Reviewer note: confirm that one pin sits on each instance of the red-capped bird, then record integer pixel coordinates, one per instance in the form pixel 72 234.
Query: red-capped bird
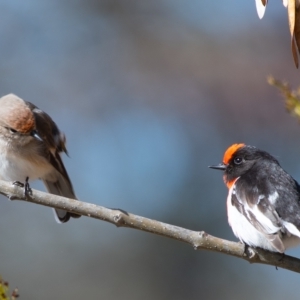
pixel 263 203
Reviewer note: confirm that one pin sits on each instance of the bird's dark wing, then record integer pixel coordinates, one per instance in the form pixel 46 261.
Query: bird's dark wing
pixel 269 198
pixel 260 212
pixel 53 142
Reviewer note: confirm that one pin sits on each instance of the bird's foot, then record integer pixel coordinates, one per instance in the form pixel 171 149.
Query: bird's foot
pixel 248 251
pixel 26 186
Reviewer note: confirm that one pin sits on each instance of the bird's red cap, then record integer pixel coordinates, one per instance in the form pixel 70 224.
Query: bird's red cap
pixel 230 151
pixel 227 157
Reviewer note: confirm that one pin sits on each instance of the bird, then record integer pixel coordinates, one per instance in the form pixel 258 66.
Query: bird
pixel 263 203
pixel 30 148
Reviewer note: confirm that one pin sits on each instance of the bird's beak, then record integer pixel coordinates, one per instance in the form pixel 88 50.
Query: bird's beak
pixel 36 135
pixel 220 166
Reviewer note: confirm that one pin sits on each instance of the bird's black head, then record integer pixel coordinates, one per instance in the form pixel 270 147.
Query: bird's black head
pixel 240 158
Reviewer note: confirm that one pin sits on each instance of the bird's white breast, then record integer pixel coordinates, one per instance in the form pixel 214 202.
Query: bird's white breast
pixel 16 167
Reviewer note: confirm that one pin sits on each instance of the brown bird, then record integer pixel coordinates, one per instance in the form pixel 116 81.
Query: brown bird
pixel 30 147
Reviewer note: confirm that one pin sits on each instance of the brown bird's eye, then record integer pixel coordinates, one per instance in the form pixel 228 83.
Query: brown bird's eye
pixel 238 160
pixel 11 129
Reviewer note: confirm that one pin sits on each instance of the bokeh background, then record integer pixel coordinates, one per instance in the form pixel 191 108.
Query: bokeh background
pixel 149 93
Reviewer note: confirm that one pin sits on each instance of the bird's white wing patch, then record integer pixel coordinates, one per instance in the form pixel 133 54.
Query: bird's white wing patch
pixel 273 198
pixel 291 228
pixel 265 220
pixel 260 212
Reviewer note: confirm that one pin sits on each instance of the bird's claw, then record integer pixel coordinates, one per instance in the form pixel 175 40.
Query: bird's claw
pixel 18 183
pixel 26 186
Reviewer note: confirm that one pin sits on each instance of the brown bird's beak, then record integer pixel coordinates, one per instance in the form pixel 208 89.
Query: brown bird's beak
pixel 221 167
pixel 36 135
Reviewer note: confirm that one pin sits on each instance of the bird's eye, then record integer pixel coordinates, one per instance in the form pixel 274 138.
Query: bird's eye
pixel 11 129
pixel 238 160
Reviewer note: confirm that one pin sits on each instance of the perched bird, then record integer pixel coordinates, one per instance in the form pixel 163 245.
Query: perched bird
pixel 30 147
pixel 263 203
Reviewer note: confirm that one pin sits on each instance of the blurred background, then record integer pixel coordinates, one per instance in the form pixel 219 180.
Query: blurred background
pixel 148 93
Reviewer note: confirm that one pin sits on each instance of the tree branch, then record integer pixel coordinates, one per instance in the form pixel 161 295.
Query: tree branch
pixel 198 239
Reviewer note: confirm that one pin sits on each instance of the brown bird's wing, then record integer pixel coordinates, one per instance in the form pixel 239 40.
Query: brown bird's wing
pixel 53 143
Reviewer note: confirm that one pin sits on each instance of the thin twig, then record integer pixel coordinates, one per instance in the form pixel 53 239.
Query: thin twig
pixel 198 239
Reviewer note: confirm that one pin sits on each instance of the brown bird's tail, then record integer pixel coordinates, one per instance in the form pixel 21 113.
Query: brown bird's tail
pixel 61 187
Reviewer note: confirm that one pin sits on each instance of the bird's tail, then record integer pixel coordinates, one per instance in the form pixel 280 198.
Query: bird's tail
pixel 61 186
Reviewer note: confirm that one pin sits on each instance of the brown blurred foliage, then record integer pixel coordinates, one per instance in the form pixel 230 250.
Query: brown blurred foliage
pixel 291 97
